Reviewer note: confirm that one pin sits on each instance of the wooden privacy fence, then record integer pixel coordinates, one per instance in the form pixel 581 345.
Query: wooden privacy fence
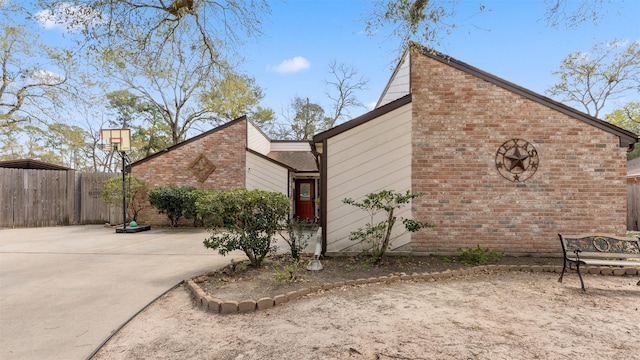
pixel 31 198
pixel 92 210
pixel 633 206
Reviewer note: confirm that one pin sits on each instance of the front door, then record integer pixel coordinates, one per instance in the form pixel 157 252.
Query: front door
pixel 305 208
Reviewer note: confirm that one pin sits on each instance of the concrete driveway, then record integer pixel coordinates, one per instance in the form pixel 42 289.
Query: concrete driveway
pixel 63 290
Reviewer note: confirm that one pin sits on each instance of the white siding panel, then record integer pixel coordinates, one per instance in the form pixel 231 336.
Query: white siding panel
pixel 399 85
pixel 256 141
pixel 265 175
pixel 290 146
pixel 371 157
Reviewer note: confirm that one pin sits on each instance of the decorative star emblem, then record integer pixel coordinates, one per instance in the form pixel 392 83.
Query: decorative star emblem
pixel 517 159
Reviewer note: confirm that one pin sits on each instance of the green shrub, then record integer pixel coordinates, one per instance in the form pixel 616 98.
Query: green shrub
pixel 378 235
pixel 172 201
pixel 191 199
pixel 244 220
pixel 478 255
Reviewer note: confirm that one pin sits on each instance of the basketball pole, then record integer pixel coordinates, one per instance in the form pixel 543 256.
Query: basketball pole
pixel 124 194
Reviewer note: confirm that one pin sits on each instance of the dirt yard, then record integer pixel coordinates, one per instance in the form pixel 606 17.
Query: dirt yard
pixel 497 315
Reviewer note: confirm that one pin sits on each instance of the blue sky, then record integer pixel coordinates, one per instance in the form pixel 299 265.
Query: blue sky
pixel 508 39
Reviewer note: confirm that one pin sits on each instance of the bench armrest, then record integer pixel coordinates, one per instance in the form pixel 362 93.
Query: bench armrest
pixel 577 252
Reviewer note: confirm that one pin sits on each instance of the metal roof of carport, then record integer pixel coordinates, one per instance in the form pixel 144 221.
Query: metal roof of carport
pixel 32 165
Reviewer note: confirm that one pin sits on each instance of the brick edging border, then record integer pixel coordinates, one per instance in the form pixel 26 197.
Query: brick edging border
pixel 210 304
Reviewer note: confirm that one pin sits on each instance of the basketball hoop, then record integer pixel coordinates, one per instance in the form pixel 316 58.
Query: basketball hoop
pixel 116 139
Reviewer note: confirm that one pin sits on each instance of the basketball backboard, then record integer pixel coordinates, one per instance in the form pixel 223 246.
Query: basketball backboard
pixel 116 139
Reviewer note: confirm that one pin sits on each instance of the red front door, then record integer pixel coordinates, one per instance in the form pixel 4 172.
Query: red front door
pixel 305 208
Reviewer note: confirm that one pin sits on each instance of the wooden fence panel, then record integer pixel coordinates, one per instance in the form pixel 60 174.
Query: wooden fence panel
pixel 633 206
pixel 31 198
pixel 93 209
pixel 7 196
pixel 36 197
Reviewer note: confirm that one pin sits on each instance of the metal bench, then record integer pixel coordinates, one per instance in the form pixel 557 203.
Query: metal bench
pixel 600 250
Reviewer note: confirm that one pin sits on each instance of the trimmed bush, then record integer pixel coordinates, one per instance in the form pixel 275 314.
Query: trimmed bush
pixel 172 201
pixel 243 220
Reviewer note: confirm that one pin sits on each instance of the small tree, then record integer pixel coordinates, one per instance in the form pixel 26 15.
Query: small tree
pixel 244 220
pixel 172 201
pixel 378 235
pixel 136 191
pixel 296 238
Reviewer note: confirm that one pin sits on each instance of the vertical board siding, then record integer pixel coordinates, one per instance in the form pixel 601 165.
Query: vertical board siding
pixel 369 158
pixel 34 198
pixel 265 175
pixel 256 141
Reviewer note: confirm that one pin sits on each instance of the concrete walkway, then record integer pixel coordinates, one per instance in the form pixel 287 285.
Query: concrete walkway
pixel 63 290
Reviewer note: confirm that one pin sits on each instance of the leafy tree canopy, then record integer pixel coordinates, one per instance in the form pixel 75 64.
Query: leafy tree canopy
pixel 591 79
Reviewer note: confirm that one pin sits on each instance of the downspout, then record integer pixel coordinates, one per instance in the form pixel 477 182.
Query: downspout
pixel 323 196
pixel 322 167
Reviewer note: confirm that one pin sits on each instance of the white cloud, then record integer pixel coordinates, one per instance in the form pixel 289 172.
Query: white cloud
pixel 294 65
pixel 370 106
pixel 68 17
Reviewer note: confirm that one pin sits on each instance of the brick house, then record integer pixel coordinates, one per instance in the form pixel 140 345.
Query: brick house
pixel 234 155
pixel 502 166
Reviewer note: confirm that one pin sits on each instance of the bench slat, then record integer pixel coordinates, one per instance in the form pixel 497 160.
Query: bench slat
pixel 598 255
pixel 608 262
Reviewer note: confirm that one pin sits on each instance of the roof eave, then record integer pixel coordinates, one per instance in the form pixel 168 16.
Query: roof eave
pixel 627 138
pixel 373 114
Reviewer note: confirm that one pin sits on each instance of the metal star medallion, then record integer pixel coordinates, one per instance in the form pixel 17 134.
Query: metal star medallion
pixel 517 160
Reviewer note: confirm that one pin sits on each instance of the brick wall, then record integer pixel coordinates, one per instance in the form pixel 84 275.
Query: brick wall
pixel 460 122
pixel 224 147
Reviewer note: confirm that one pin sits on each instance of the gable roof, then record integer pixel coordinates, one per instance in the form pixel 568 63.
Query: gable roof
pixel 197 137
pixel 627 138
pixel 293 160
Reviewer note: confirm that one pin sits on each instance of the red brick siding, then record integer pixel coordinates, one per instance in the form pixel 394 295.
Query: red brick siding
pixel 459 122
pixel 225 148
